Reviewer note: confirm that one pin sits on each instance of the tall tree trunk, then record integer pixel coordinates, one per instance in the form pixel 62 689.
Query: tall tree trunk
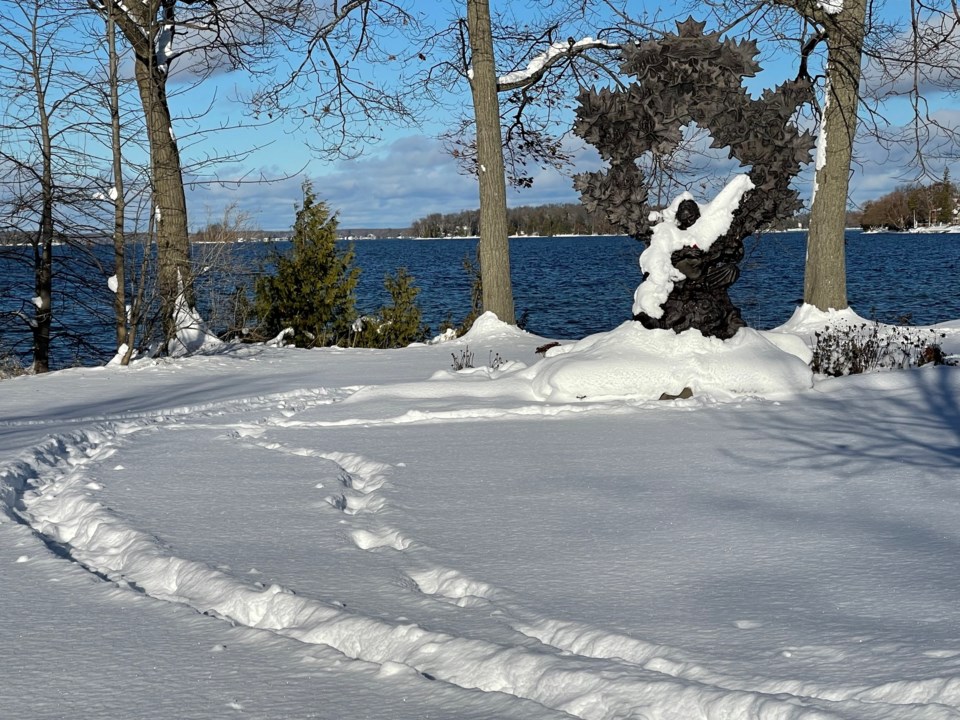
pixel 119 204
pixel 494 241
pixel 143 30
pixel 43 284
pixel 825 277
pixel 170 204
pixel 43 243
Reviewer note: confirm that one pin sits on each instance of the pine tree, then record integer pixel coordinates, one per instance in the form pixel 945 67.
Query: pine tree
pixel 397 324
pixel 312 287
pixel 945 201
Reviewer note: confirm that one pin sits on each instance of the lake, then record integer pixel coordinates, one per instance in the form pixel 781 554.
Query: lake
pixel 570 287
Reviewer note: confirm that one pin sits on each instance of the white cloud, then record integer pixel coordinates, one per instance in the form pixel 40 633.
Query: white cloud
pixel 408 179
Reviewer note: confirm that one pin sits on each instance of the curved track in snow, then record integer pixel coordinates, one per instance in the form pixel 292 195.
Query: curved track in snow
pixel 567 666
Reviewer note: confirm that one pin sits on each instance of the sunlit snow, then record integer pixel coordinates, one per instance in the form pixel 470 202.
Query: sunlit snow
pixel 557 49
pixel 269 532
pixel 831 6
pixel 656 263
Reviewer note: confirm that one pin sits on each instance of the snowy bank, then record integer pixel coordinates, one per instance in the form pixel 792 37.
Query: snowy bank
pixel 274 532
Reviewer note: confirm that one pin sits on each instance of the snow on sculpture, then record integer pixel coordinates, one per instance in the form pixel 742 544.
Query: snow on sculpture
pixel 693 251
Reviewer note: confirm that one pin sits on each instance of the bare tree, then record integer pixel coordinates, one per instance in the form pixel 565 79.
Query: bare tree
pixel 125 332
pixel 149 29
pixel 499 138
pixel 494 251
pixel 332 41
pixel 38 158
pixel 837 40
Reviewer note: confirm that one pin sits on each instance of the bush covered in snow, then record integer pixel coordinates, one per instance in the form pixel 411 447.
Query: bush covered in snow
pixel 868 346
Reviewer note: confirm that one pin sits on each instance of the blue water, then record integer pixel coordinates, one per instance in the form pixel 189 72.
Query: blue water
pixel 574 286
pixel 570 287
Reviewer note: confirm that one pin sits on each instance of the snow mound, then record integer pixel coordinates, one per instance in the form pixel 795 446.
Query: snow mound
pixel 634 362
pixel 488 327
pixel 807 319
pixel 192 335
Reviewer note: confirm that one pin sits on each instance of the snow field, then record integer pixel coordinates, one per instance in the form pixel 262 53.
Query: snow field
pixel 422 543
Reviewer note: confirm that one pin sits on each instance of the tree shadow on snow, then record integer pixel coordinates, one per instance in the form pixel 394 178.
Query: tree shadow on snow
pixel 854 430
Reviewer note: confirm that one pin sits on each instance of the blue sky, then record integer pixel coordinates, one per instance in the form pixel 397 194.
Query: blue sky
pixel 409 174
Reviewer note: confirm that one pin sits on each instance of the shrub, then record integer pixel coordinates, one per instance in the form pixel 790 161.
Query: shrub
pixel 849 350
pixel 464 361
pixel 312 287
pixel 472 268
pixel 10 366
pixel 397 324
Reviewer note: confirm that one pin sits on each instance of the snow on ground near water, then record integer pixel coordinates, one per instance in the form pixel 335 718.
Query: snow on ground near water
pixel 279 533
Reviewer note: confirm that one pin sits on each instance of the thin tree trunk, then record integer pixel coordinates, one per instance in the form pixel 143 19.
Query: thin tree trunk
pixel 825 278
pixel 43 244
pixel 119 238
pixel 494 241
pixel 43 286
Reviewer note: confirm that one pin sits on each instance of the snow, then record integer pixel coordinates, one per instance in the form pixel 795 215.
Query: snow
pixel 165 47
pixel 113 283
pixel 831 7
pixel 112 194
pixel 275 532
pixel 632 362
pixel 655 262
pixel 544 59
pixel 933 229
pixel 191 332
pixel 121 353
pixel 821 152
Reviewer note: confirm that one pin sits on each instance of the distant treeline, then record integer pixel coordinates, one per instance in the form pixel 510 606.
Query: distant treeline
pixel 554 219
pixel 911 206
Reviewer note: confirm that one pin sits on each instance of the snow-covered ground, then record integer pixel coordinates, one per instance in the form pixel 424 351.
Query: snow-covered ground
pixel 934 229
pixel 277 533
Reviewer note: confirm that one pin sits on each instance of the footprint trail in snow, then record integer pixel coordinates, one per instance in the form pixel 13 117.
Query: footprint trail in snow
pixel 581 670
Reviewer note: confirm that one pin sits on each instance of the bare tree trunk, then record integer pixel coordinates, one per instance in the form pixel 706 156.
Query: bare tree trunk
pixel 825 277
pixel 494 241
pixel 43 243
pixel 142 30
pixel 119 205
pixel 43 284
pixel 170 204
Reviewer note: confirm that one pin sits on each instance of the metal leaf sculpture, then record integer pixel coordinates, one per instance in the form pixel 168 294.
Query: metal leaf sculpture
pixel 682 78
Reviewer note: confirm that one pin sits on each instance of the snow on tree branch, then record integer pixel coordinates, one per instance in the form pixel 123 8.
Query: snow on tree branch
pixel 831 7
pixel 539 65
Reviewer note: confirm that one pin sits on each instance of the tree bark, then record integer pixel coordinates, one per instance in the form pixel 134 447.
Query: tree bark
pixel 170 204
pixel 825 279
pixel 494 240
pixel 43 243
pixel 119 204
pixel 142 29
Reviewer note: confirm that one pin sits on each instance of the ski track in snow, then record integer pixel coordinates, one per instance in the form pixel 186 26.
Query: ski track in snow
pixel 584 671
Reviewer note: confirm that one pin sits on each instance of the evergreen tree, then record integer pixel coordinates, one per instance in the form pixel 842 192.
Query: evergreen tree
pixel 312 288
pixel 397 324
pixel 945 202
